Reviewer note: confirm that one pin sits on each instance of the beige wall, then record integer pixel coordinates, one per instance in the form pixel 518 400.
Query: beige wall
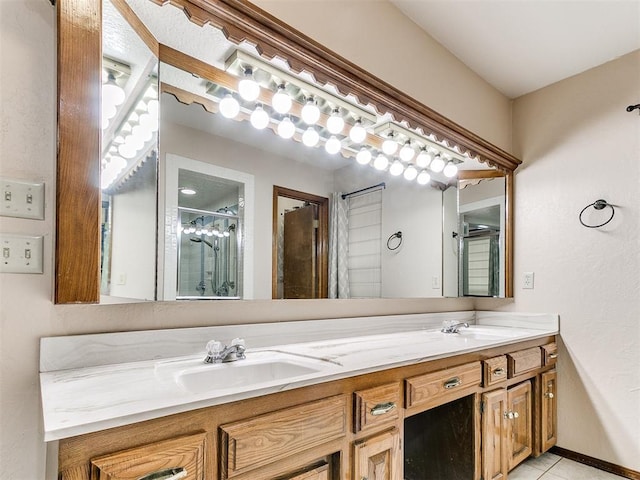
pixel 579 144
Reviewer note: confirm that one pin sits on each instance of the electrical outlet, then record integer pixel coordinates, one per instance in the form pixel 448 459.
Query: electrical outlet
pixel 527 280
pixel 21 253
pixel 21 199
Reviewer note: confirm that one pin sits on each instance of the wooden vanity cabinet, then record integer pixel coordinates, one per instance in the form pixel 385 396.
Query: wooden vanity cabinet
pixel 548 410
pixel 378 457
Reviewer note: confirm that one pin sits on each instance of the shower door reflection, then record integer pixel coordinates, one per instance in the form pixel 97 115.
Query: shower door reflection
pixel 208 253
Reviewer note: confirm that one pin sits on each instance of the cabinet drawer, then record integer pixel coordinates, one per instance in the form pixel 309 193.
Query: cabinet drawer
pixel 549 354
pixel 524 361
pixel 376 406
pixel 433 389
pixel 494 370
pixel 315 473
pixel 265 439
pixel 176 459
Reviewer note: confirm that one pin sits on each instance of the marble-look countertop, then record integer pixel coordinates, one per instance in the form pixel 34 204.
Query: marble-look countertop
pixel 94 382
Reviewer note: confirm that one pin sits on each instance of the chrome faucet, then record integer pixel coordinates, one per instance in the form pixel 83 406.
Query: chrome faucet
pixel 217 352
pixel 455 328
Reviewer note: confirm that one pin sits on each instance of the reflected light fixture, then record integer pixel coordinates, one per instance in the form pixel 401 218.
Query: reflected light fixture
pixel 333 145
pixel 363 157
pixel 423 159
pixel 187 191
pixel 381 162
pixel 310 112
pixel 423 177
pixel 406 152
pixel 396 168
pixel 229 106
pixel 389 146
pixel 259 118
pixel 248 88
pixel 310 137
pixel 437 164
pixel 450 170
pixel 281 101
pixel 410 173
pixel 286 128
pixel 335 123
pixel 112 94
pixel 357 134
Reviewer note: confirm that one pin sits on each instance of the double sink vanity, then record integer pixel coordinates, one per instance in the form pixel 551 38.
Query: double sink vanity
pixel 371 397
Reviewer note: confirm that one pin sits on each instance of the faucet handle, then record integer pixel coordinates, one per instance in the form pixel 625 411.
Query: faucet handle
pixel 213 347
pixel 237 341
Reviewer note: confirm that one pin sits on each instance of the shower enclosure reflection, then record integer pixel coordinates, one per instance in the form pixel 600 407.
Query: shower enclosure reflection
pixel 208 253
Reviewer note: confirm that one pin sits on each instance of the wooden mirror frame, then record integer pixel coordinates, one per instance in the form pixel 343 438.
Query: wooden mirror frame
pixel 77 251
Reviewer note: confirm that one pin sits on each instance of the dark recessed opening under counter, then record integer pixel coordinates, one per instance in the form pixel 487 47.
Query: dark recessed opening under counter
pixel 439 443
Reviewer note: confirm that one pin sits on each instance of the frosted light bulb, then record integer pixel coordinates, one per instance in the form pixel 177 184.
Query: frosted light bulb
pixel 450 170
pixel 134 142
pixel 406 152
pixel 381 162
pixel 437 164
pixel 333 146
pixel 335 123
pixel 259 118
pixel 363 157
pixel 286 128
pixel 357 134
pixel 229 107
pixel 111 92
pixel 225 233
pixel 396 168
pixel 389 146
pixel 151 93
pixel 310 112
pixel 142 133
pixel 310 137
pixel 410 173
pixel 152 107
pixel 127 151
pixel 209 233
pixel 423 159
pixel 248 88
pixel 118 163
pixel 108 111
pixel 198 231
pixel 281 101
pixel 423 177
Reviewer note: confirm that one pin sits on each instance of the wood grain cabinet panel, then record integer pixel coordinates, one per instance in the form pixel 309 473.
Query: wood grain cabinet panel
pixel 315 473
pixel 433 389
pixel 376 407
pixel 523 361
pixel 494 437
pixel 548 411
pixel 256 442
pixel 549 354
pixel 494 370
pixel 519 423
pixel 378 457
pixel 177 459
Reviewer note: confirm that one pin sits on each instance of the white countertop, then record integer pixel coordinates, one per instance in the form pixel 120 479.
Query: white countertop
pixel 110 392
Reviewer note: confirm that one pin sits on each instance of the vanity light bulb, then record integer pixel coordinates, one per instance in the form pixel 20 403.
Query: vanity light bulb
pixel 281 101
pixel 363 157
pixel 142 133
pixel 108 111
pixel 198 231
pixel 226 234
pixel 152 107
pixel 410 173
pixel 117 163
pixel 423 159
pixel 381 162
pixel 105 123
pixel 310 137
pixel 450 170
pixel 259 118
pixel 151 93
pixel 127 151
pixel 333 145
pixel 335 123
pixel 286 128
pixel 396 168
pixel 357 134
pixel 229 107
pixel 437 164
pixel 389 146
pixel 423 177
pixel 310 112
pixel 248 88
pixel 209 233
pixel 112 94
pixel 406 152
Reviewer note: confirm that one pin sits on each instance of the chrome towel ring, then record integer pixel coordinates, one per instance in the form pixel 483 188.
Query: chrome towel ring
pixel 597 205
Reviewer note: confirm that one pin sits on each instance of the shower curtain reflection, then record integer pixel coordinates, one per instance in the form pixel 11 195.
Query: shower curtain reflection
pixel 208 253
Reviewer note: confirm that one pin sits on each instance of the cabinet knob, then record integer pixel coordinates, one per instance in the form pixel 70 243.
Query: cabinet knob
pixel 548 395
pixel 167 474
pixel 511 415
pixel 452 383
pixel 382 408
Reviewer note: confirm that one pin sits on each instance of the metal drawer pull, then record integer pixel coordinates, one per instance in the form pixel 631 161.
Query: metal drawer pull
pixel 382 408
pixel 452 383
pixel 511 415
pixel 499 371
pixel 553 355
pixel 167 474
pixel 548 395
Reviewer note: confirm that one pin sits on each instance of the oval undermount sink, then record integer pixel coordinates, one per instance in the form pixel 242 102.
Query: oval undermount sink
pixel 258 369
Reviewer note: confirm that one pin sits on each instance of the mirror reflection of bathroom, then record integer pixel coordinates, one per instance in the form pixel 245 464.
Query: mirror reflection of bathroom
pixel 482 214
pixel 209 213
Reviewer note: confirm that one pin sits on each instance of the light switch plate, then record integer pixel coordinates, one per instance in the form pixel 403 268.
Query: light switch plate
pixel 20 253
pixel 22 199
pixel 527 280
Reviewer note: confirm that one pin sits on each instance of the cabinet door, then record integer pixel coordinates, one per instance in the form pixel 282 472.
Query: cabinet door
pixel 378 457
pixel 318 473
pixel 494 435
pixel 549 410
pixel 519 417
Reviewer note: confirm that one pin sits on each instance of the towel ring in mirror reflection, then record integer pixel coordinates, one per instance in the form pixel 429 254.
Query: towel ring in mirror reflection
pixel 597 205
pixel 398 237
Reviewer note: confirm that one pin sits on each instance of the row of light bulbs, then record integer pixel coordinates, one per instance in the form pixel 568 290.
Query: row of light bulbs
pixel 199 230
pixel 282 103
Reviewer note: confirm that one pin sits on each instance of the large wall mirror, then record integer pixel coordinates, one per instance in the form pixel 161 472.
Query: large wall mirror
pixel 197 187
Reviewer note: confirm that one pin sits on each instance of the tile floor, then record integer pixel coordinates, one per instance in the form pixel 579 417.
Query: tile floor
pixel 553 467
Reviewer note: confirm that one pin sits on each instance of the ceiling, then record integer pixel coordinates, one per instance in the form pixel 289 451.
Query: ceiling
pixel 519 46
